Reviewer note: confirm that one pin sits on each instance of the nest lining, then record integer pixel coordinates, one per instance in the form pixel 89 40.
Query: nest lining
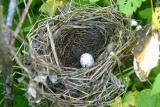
pixel 54 48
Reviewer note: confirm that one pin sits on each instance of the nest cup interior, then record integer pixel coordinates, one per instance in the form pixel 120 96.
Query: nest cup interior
pixel 57 43
pixel 83 34
pixel 73 42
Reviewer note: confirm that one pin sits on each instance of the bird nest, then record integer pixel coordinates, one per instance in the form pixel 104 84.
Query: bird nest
pixel 53 50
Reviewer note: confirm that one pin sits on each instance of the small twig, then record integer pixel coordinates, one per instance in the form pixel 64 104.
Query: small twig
pixel 11 10
pixel 29 17
pixel 53 47
pixel 19 63
pixel 25 11
pixel 7 34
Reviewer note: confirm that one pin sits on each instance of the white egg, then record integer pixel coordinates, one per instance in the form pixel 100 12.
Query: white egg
pixel 86 60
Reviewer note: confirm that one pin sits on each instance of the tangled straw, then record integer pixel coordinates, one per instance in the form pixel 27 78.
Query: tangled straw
pixel 55 45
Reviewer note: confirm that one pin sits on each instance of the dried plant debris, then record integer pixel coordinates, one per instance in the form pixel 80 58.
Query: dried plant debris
pixel 54 48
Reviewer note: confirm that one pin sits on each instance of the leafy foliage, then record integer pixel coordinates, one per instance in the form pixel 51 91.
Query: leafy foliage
pixel 117 103
pixel 156 18
pixel 19 98
pixel 1 90
pixel 130 99
pixel 156 86
pixel 129 6
pixel 145 99
pixel 93 1
pixel 146 14
pixel 104 3
pixel 50 6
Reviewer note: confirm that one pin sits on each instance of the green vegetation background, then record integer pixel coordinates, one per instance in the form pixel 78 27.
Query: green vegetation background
pixel 137 94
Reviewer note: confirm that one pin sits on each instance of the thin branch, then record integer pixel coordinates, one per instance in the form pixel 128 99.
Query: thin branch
pixel 6 65
pixel 25 11
pixel 5 55
pixel 19 62
pixel 11 11
pixel 29 17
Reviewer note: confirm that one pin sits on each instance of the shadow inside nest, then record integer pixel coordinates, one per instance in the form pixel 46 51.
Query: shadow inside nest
pixel 74 42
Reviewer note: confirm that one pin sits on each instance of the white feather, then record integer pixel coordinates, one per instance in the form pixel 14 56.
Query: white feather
pixel 31 92
pixel 150 58
pixel 138 27
pixel 134 22
pixel 41 78
pixel 152 53
pixel 53 78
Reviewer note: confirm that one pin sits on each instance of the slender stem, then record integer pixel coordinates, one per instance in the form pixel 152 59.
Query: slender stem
pixel 11 11
pixel 152 6
pixel 29 17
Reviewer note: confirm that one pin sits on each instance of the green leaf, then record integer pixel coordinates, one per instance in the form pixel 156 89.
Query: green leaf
pixel 93 1
pixel 19 98
pixel 130 99
pixel 146 14
pixel 129 6
pixel 26 29
pixel 20 2
pixel 2 97
pixel 20 101
pixel 156 19
pixel 50 6
pixel 156 86
pixel 82 2
pixel 117 102
pixel 145 99
pixel 104 3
